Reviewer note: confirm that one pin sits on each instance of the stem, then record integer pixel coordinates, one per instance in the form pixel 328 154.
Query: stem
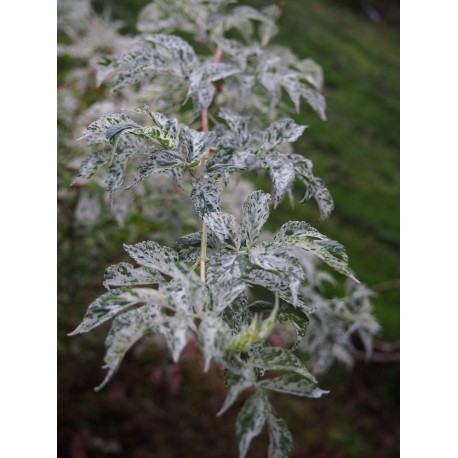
pixel 203 244
pixel 203 253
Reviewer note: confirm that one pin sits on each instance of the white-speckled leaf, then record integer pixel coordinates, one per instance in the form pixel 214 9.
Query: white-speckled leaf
pixel 116 301
pixel 125 331
pixel 280 438
pixel 281 170
pixel 294 384
pixel 197 144
pixel 188 247
pixel 255 214
pixel 125 274
pixel 302 235
pixel 202 97
pixel 205 196
pixel 158 161
pixel 281 131
pixel 225 227
pixel 281 359
pixel 213 336
pixel 92 163
pixel 174 329
pixel 276 284
pixel 251 420
pixel 279 259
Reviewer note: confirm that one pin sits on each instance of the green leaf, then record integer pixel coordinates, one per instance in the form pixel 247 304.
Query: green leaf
pixel 125 274
pixel 255 214
pixel 116 301
pixel 294 384
pixel 251 420
pixel 280 438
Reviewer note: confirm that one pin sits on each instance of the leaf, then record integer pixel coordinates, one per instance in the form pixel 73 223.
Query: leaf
pixel 279 259
pixel 113 132
pixel 152 255
pixel 281 131
pixel 205 196
pixel 273 282
pixel 125 331
pixel 280 359
pixel 255 214
pixel 280 438
pixel 197 143
pixel 116 301
pixel 282 172
pixel 202 98
pixel 213 336
pixel 125 274
pixel 174 329
pixel 302 235
pixel 188 247
pixel 236 383
pixel 298 319
pixel 250 420
pixel 92 163
pixel 225 227
pixel 294 384
pixel 165 131
pixel 156 162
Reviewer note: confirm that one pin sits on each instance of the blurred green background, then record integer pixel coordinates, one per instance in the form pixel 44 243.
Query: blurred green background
pixel 154 410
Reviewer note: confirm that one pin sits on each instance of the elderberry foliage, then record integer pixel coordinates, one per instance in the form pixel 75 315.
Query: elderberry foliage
pixel 205 120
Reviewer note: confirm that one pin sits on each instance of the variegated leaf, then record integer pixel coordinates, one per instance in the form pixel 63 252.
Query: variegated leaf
pixel 197 144
pixel 205 196
pixel 281 170
pixel 202 97
pixel 125 274
pixel 92 163
pixel 174 329
pixel 154 256
pixel 294 384
pixel 280 438
pixel 280 359
pixel 281 131
pixel 225 227
pixel 277 258
pixel 274 283
pixel 251 420
pixel 255 214
pixel 188 247
pixel 125 331
pixel 236 382
pixel 302 235
pixel 156 162
pixel 116 301
pixel 213 336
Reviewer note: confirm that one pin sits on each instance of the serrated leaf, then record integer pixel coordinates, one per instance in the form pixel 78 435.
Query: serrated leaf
pixel 125 331
pixel 205 196
pixel 197 143
pixel 276 284
pixel 280 438
pixel 213 336
pixel 116 301
pixel 251 420
pixel 302 235
pixel 188 247
pixel 178 296
pixel 281 131
pixel 92 163
pixel 174 329
pixel 236 383
pixel 279 259
pixel 281 170
pixel 255 214
pixel 152 255
pixel 225 227
pixel 294 384
pixel 113 132
pixel 125 274
pixel 156 162
pixel 280 359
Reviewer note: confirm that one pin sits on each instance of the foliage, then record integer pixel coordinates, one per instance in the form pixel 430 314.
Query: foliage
pixel 243 83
